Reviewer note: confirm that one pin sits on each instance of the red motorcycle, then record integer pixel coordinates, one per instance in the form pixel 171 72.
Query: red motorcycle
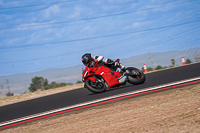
pixel 99 77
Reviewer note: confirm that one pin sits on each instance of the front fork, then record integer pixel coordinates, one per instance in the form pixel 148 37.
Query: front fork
pixel 100 79
pixel 95 80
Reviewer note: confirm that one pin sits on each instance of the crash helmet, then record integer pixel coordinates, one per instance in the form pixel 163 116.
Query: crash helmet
pixel 86 59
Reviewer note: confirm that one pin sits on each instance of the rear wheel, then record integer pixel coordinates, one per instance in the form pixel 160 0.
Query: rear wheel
pixel 96 87
pixel 136 76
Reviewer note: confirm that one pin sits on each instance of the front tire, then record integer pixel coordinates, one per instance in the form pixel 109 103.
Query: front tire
pixel 96 87
pixel 139 78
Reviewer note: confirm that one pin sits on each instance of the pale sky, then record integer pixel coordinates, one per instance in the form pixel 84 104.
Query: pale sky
pixel 39 35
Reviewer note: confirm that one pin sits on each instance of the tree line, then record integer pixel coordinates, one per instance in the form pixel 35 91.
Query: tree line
pixel 39 83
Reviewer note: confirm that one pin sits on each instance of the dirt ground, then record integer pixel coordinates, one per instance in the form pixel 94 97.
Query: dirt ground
pixel 171 111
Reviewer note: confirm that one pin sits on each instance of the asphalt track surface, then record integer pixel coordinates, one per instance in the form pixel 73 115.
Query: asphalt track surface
pixel 81 95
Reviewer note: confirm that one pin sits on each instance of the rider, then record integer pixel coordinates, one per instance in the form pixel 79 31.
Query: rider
pixel 86 59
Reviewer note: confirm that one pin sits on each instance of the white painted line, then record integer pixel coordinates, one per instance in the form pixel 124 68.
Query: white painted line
pixel 95 101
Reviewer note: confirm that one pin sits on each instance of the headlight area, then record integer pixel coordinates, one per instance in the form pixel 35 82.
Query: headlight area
pixel 84 75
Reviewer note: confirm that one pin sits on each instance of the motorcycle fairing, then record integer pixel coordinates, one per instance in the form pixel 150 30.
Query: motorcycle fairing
pixel 111 77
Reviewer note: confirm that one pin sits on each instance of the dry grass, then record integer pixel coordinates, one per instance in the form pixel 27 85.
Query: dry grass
pixel 31 95
pixel 171 111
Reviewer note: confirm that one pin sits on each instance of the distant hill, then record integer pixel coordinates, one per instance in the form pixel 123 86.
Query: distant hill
pixel 163 59
pixel 20 82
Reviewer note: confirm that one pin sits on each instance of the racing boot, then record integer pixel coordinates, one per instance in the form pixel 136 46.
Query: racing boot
pixel 122 67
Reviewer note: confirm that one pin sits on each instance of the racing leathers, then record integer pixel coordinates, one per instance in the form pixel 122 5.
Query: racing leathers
pixel 108 62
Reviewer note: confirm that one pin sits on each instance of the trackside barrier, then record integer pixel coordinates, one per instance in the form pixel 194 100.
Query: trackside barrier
pixel 145 68
pixel 183 61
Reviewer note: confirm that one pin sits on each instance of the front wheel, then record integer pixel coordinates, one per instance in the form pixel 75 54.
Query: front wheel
pixel 136 76
pixel 96 87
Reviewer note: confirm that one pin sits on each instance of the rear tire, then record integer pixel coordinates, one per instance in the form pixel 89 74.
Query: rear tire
pixel 95 87
pixel 136 79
